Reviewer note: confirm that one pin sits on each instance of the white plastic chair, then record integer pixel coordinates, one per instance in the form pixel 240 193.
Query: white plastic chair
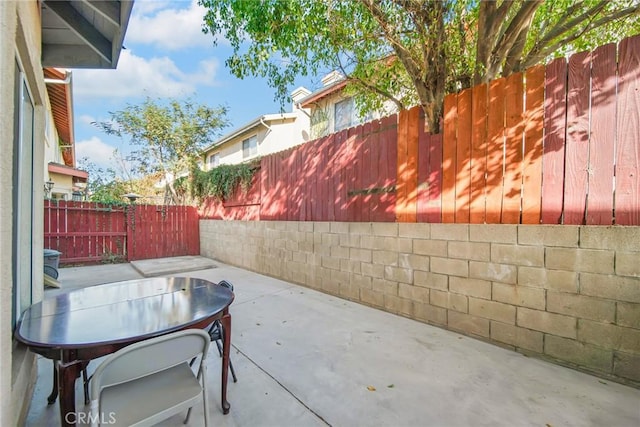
pixel 147 382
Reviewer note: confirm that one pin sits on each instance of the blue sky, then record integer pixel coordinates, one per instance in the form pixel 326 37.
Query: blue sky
pixel 166 55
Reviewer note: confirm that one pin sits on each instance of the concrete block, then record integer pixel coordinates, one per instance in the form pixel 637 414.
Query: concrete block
pixel 580 260
pixel 363 255
pixel 518 255
pixel 468 324
pixel 469 250
pixel 372 297
pixel 405 245
pixel 430 313
pixel 387 287
pixel 628 264
pixel 618 238
pixel 452 267
pixel 339 252
pixel 330 287
pixel 517 337
pixel 305 226
pixel 360 281
pixel 349 291
pixel 430 247
pixel 517 295
pixel 414 230
pixel 318 227
pixel 579 353
pixel 350 240
pixel 458 232
pixel 398 305
pixel 609 336
pixel 330 239
pixel 384 258
pixel 549 235
pixel 372 270
pixel 504 313
pixel 414 293
pixel 551 323
pixel 431 280
pixel 503 273
pixel 384 229
pixel 397 274
pixel 611 287
pixel 628 314
pixel 414 262
pixel 471 287
pixel 331 263
pixel 339 227
pixel 627 365
pixel 449 300
pixel 493 233
pixel 350 266
pixel 360 228
pixel 557 280
pixel 581 306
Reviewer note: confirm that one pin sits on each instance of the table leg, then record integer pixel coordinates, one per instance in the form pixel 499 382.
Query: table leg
pixel 54 390
pixel 226 346
pixel 67 374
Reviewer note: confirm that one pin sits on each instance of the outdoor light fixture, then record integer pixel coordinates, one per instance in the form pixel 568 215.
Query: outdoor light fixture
pixel 132 197
pixel 48 186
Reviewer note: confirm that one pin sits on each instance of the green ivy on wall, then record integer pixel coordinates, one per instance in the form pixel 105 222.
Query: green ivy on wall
pixel 221 181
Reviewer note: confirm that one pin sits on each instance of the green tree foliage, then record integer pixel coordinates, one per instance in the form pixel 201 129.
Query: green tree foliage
pixel 168 136
pixel 412 52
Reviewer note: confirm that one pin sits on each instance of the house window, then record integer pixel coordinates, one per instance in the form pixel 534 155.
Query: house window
pixel 344 114
pixel 22 218
pixel 250 147
pixel 213 160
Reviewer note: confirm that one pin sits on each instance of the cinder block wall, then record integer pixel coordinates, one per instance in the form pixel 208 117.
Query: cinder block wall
pixel 567 293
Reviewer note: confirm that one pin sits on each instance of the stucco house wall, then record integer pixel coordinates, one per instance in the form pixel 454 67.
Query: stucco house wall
pixel 20 41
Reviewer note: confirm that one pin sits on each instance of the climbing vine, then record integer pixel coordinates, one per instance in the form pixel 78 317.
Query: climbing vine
pixel 221 181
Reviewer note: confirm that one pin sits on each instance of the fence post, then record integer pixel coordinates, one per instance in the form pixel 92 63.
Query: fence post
pixel 130 226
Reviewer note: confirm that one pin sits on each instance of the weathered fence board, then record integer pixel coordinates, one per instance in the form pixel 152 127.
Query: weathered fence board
pixel 627 195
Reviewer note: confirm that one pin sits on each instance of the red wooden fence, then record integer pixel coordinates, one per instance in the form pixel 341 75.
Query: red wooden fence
pixel 557 144
pixel 90 233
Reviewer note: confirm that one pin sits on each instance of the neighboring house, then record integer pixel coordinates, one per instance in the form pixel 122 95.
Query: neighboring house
pixel 263 135
pixel 35 34
pixel 333 111
pixel 66 182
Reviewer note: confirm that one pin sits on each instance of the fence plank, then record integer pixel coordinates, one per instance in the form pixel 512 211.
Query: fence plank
pixel 407 177
pixel 514 128
pixel 495 148
pixel 463 157
pixel 603 135
pixel 532 161
pixel 555 107
pixel 449 159
pixel 577 144
pixel 627 196
pixel 478 169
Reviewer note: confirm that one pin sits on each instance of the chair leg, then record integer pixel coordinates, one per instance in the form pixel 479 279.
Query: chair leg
pixel 54 391
pixel 233 371
pixel 85 383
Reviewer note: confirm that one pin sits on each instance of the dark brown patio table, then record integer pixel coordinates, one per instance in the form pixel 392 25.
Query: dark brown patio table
pixel 81 325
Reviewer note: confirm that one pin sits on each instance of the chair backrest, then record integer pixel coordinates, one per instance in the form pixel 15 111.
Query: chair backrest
pixel 226 285
pixel 148 357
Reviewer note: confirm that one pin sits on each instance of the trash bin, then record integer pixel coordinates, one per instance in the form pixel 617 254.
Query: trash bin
pixel 52 258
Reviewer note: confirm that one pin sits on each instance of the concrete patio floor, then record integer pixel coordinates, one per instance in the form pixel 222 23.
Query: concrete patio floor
pixel 304 358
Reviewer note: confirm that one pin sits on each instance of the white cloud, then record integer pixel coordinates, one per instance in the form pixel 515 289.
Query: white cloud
pixel 168 28
pixel 96 151
pixel 137 77
pixel 86 119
